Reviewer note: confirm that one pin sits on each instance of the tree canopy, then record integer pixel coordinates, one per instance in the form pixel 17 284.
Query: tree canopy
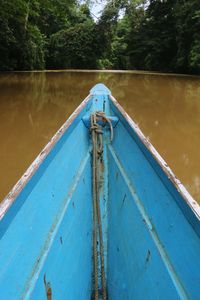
pixel 158 35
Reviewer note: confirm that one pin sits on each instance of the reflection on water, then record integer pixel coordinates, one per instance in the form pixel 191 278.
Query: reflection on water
pixel 34 105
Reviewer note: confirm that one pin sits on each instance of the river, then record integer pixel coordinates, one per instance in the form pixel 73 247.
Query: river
pixel 34 105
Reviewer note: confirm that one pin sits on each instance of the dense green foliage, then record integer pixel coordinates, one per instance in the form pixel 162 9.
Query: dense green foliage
pixel 166 37
pixel 158 35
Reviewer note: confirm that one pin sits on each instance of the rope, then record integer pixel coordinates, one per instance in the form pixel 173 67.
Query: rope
pixel 97 140
pixel 102 115
pixel 95 256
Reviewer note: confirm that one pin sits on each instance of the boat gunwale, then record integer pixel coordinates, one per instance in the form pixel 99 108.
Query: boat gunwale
pixel 10 198
pixel 181 189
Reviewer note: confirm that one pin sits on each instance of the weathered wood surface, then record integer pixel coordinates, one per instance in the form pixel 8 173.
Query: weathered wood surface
pixel 150 222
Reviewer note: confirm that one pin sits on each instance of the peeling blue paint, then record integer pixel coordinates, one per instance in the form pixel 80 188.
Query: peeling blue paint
pixel 151 233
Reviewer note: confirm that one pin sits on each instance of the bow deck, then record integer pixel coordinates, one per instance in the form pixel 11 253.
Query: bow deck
pixel 150 224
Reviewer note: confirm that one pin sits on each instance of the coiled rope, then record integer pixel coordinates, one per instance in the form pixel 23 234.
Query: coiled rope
pixel 97 141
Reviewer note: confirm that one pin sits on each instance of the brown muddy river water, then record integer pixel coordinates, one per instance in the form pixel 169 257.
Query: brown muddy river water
pixel 34 105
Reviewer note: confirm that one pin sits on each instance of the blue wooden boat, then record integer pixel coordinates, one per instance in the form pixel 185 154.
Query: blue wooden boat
pixel 99 215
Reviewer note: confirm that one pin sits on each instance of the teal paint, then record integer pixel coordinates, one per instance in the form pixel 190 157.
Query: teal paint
pixel 151 225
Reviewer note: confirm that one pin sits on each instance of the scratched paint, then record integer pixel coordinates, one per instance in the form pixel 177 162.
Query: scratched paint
pixel 146 223
pixel 34 105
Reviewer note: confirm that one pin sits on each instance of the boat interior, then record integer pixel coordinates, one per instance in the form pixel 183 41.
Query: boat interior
pixel 146 231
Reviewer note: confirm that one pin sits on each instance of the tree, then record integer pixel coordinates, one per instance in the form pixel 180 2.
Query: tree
pixel 187 27
pixel 21 44
pixel 106 30
pixel 75 47
pixel 159 35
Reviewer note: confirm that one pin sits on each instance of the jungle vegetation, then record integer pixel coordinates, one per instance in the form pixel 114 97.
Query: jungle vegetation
pixel 156 35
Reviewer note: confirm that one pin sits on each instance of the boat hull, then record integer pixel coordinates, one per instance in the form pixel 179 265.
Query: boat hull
pixel 151 228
